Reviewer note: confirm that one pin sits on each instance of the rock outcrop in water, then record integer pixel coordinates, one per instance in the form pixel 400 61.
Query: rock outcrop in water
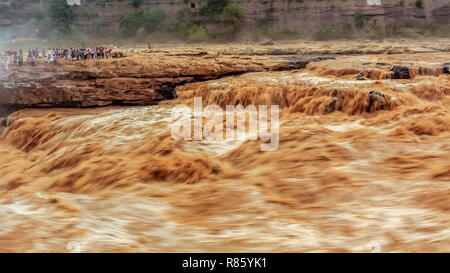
pixel 400 72
pixel 446 68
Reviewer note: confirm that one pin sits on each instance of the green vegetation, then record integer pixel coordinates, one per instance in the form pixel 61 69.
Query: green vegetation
pixel 335 31
pixel 61 16
pixel 136 3
pixel 264 30
pixel 180 26
pixel 57 21
pixel 419 4
pixel 360 19
pixel 213 7
pixel 377 33
pixel 143 25
pixel 232 19
pixel 411 29
pixel 129 23
pixel 141 34
pixel 16 3
pixel 36 14
pixel 197 34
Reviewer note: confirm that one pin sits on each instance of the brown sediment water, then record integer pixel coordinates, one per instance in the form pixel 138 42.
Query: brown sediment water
pixel 352 169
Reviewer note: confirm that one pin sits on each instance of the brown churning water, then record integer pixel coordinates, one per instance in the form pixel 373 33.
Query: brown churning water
pixel 352 167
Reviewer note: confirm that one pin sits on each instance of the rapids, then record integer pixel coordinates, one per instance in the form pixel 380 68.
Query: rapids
pixel 347 174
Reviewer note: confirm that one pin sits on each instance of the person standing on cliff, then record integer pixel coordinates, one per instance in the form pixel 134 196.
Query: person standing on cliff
pixel 5 63
pixel 149 46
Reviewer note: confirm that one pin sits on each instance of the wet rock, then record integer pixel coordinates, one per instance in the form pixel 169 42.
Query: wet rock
pixel 9 121
pixel 3 123
pixel 361 77
pixel 198 53
pixel 377 101
pixel 447 68
pixel 335 104
pixel 400 72
pixel 299 62
pixel 276 51
pixel 420 71
pixel 269 42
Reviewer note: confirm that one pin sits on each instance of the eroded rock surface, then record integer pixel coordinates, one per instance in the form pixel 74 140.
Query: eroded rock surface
pixel 141 79
pixel 149 78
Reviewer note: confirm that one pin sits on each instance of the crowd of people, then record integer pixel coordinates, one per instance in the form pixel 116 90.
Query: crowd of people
pixel 53 56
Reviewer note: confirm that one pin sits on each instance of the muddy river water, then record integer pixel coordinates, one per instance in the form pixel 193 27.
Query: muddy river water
pixel 348 174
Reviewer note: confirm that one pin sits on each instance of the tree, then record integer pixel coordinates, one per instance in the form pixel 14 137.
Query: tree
pixel 232 18
pixel 360 19
pixel 61 16
pixel 213 7
pixel 197 34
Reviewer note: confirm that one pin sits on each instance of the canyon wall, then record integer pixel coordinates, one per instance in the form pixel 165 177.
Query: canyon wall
pixel 283 14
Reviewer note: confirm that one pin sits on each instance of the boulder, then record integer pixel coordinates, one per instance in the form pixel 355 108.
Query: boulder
pixel 446 69
pixel 9 121
pixel 334 104
pixel 361 77
pixel 400 72
pixel 377 101
pixel 3 123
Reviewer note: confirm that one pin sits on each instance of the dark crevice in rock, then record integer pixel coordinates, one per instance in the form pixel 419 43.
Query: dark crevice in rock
pixel 5 110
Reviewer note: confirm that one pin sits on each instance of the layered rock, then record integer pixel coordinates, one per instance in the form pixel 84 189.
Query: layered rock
pixel 142 79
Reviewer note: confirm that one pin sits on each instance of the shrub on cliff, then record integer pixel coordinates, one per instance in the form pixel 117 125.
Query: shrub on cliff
pixel 141 35
pixel 360 19
pixel 213 7
pixel 419 4
pixel 377 33
pixel 154 20
pixel 232 18
pixel 180 26
pixel 37 14
pixel 325 32
pixel 136 3
pixel 61 16
pixel 197 34
pixel 334 31
pixel 129 23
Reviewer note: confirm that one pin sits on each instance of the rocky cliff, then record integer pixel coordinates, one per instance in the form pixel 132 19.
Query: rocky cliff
pixel 146 78
pixel 283 14
pixel 141 79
